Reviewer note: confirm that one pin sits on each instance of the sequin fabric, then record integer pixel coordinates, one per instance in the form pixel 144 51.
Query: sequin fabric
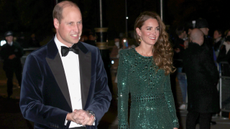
pixel 152 104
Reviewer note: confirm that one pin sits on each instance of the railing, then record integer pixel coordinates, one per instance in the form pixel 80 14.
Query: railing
pixel 224 87
pixel 27 52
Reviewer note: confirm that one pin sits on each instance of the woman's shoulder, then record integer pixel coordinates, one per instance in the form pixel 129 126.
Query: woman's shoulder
pixel 127 52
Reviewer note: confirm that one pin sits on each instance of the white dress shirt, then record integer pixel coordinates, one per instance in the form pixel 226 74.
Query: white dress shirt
pixel 72 72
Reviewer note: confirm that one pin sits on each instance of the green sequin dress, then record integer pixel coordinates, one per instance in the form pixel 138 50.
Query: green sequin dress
pixel 152 103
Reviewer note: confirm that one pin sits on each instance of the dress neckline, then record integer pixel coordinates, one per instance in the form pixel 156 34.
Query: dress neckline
pixel 141 55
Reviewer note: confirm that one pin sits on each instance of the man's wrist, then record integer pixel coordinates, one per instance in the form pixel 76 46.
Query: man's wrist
pixel 92 113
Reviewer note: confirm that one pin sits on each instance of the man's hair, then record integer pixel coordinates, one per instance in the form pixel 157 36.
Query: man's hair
pixel 219 31
pixel 58 9
pixel 201 23
pixel 180 30
pixel 227 38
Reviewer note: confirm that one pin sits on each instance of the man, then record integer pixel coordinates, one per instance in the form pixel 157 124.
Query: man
pixel 91 39
pixel 62 89
pixel 11 53
pixel 202 24
pixel 202 77
pixel 218 41
pixel 224 55
pixel 178 61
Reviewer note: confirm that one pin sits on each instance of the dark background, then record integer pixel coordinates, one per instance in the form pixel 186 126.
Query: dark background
pixel 35 16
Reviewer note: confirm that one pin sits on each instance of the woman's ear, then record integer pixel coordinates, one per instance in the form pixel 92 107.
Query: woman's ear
pixel 138 32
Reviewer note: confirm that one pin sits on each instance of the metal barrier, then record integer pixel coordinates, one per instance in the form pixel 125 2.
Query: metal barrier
pixel 27 52
pixel 224 87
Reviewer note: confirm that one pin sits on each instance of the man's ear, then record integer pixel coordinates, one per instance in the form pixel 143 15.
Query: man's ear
pixel 56 23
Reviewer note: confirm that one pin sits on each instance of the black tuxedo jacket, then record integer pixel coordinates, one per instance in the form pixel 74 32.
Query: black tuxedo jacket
pixel 45 98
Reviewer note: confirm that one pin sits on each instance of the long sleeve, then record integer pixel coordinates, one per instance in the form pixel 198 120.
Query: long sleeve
pixel 223 56
pixel 31 99
pixel 170 101
pixel 101 100
pixel 19 52
pixel 123 91
pixel 208 65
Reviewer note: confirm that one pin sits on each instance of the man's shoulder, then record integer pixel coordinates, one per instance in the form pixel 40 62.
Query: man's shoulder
pixel 88 46
pixel 43 50
pixel 85 48
pixel 4 46
pixel 16 43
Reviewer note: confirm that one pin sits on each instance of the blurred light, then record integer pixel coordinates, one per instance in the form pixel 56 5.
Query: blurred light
pixel 2 42
pixel 112 61
pixel 193 23
pixel 127 17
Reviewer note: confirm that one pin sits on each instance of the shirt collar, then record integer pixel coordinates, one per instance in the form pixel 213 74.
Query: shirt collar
pixel 11 43
pixel 58 44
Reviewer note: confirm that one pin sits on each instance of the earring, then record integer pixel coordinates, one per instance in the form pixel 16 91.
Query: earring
pixel 139 39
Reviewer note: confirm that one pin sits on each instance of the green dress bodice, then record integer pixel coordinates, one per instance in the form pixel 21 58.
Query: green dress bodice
pixel 152 103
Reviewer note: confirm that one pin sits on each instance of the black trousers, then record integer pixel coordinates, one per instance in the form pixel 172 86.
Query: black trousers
pixel 78 128
pixel 10 74
pixel 204 120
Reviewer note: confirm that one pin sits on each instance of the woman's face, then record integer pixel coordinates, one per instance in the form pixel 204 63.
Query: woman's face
pixel 149 32
pixel 228 34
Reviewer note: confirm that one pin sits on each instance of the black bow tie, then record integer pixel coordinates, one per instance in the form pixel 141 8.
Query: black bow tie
pixel 65 50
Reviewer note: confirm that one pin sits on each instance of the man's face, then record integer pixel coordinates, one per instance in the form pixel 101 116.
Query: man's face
pixel 189 31
pixel 184 34
pixel 69 29
pixel 9 39
pixel 216 34
pixel 205 31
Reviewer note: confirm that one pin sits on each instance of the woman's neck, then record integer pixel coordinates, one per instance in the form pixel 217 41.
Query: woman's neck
pixel 144 50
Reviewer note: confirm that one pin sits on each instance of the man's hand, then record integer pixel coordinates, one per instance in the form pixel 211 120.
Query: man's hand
pixel 177 50
pixel 81 117
pixel 12 56
pixel 91 120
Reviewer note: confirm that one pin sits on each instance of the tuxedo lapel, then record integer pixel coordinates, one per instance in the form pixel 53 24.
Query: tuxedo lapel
pixel 54 61
pixel 85 71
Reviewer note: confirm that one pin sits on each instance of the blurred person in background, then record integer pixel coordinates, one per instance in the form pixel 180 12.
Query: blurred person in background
pixel 33 41
pixel 224 54
pixel 11 53
pixel 202 78
pixel 178 62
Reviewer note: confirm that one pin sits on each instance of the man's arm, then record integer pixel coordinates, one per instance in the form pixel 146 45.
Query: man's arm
pixel 31 99
pixel 101 99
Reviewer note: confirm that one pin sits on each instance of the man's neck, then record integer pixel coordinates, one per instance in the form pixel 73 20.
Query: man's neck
pixel 217 40
pixel 10 43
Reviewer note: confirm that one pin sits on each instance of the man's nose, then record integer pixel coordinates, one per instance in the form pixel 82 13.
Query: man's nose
pixel 76 28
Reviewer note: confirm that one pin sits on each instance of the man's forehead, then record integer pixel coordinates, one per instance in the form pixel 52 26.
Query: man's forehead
pixel 71 11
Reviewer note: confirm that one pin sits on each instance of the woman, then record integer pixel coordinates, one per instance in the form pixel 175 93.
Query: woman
pixel 224 54
pixel 144 73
